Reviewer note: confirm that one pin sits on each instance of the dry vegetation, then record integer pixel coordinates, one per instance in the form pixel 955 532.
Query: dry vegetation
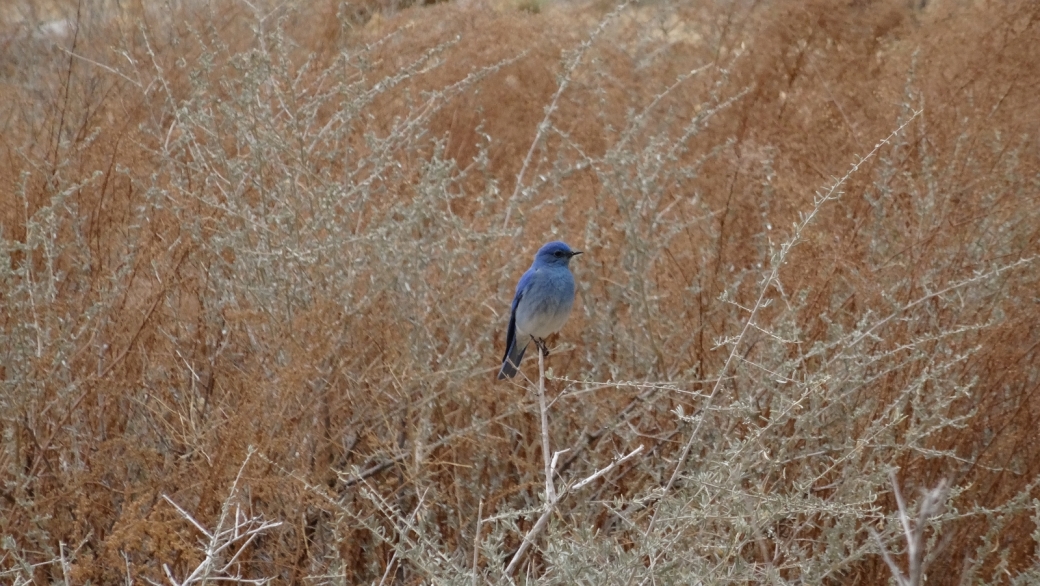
pixel 255 261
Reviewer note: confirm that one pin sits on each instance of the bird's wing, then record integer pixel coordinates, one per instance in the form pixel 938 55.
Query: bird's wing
pixel 510 333
pixel 523 284
pixel 521 288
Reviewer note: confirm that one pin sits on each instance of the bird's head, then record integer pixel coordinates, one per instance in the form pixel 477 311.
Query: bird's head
pixel 555 253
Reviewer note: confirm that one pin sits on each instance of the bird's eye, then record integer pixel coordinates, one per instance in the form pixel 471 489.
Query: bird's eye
pixel 558 253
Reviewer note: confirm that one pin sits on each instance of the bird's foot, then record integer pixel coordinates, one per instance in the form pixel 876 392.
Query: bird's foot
pixel 542 347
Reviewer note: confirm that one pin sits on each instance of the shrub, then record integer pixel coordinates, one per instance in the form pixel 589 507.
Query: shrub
pixel 256 259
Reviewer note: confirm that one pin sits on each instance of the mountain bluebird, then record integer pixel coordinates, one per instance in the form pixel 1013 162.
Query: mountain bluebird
pixel 542 303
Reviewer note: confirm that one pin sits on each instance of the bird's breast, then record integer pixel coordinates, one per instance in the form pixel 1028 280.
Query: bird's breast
pixel 545 306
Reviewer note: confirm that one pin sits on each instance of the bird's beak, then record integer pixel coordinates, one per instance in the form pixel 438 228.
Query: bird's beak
pixel 576 253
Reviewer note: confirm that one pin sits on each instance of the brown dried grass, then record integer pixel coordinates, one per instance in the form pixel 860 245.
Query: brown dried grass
pixel 145 371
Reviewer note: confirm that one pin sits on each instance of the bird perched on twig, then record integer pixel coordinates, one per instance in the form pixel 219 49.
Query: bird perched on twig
pixel 541 305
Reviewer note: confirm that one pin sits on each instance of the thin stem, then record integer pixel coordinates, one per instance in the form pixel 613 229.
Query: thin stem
pixel 550 490
pixel 476 543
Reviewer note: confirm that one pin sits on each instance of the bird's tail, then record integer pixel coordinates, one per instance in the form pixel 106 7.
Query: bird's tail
pixel 512 359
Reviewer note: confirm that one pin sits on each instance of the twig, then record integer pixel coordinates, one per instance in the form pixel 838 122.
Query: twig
pixel 602 472
pixel 551 506
pixel 243 531
pixel 913 532
pixel 544 125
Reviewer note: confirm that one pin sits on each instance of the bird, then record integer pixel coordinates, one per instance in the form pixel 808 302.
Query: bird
pixel 542 303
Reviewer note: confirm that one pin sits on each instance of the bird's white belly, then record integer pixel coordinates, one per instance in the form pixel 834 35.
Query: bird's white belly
pixel 543 321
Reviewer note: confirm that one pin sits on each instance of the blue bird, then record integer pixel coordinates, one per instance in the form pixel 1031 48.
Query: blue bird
pixel 542 303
